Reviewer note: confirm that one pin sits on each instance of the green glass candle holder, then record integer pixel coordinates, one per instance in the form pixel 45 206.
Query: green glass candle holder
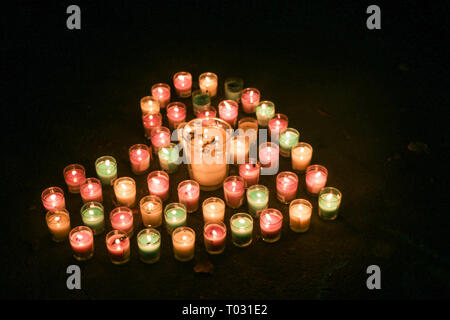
pixel 329 202
pixel 233 88
pixel 169 158
pixel 200 101
pixel 175 215
pixel 288 138
pixel 241 225
pixel 265 110
pixel 149 243
pixel 257 199
pixel 106 168
pixel 92 214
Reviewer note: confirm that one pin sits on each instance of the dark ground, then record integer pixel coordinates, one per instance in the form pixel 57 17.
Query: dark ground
pixel 359 97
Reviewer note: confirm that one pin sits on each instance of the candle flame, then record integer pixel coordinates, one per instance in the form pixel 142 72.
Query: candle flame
pixel 79 236
pixel 302 150
pixel 90 186
pixel 91 212
pixel 53 197
pixel 57 219
pixel 214 233
pixel 117 241
pixel 318 174
pixel 329 196
pixel 122 217
pixel 107 162
pixel 74 172
pixel 150 206
pixel 184 238
pixel 156 180
pixel 241 221
pixel 149 238
pixel 139 152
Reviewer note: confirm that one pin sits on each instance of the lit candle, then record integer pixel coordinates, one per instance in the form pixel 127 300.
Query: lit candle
pixel 169 158
pixel 125 191
pixel 270 223
pixel 301 155
pixel 149 243
pixel 233 88
pixel 288 138
pixel 176 113
pixel 287 184
pixel 200 101
pixel 158 184
pixel 182 81
pixel 151 211
pixel 213 210
pixel 92 214
pixel 265 110
pixel 149 105
pixel 214 234
pixel 234 189
pixel 183 240
pixel 300 215
pixel 160 137
pixel 106 168
pixel 189 194
pixel 91 190
pixel 250 99
pixel 139 158
pixel 316 178
pixel 58 222
pixel 161 91
pixel 122 220
pixel 151 121
pixel 247 124
pixel 239 149
pixel 74 175
pixel 329 202
pixel 82 243
pixel 53 199
pixel 175 216
pixel 269 154
pixel 257 199
pixel 241 229
pixel 209 112
pixel 250 172
pixel 277 123
pixel 118 245
pixel 208 83
pixel 228 111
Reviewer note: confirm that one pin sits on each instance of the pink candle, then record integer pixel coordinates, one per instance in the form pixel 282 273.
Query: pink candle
pixel 269 154
pixel 270 222
pixel 228 111
pixel 53 199
pixel 210 113
pixel 250 172
pixel 214 237
pixel 250 99
pixel 161 91
pixel 122 220
pixel 287 183
pixel 316 178
pixel 189 194
pixel 176 113
pixel 160 137
pixel 234 189
pixel 91 190
pixel 74 175
pixel 150 122
pixel 118 244
pixel 82 242
pixel 182 81
pixel 277 123
pixel 139 158
pixel 158 184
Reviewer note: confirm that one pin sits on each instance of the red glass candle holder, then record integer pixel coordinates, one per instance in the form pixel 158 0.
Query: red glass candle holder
pixel 287 185
pixel 150 122
pixel 82 243
pixel 160 137
pixel 91 190
pixel 139 158
pixel 234 190
pixel 189 194
pixel 74 175
pixel 176 113
pixel 118 245
pixel 270 222
pixel 315 178
pixel 182 81
pixel 228 111
pixel 158 184
pixel 122 220
pixel 161 91
pixel 250 172
pixel 53 199
pixel 214 234
pixel 250 98
pixel 277 123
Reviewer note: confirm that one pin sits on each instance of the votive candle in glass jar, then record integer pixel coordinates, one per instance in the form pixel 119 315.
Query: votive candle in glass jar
pixel 248 123
pixel 239 149
pixel 160 137
pixel 200 101
pixel 161 91
pixel 269 154
pixel 183 240
pixel 176 113
pixel 228 111
pixel 214 235
pixel 288 138
pixel 139 158
pixel 233 88
pixel 189 194
pixel 208 83
pixel 106 168
pixel 169 158
pixel 149 244
pixel 250 99
pixel 74 175
pixel 91 190
pixel 118 245
pixel 122 219
pixel 300 215
pixel 213 210
pixel 151 211
pixel 270 222
pixel 82 242
pixel 241 225
pixel 58 222
pixel 182 81
pixel 234 189
pixel 277 123
pixel 158 184
pixel 151 121
pixel 301 155
pixel 208 112
pixel 257 199
pixel 250 172
pixel 316 178
pixel 53 199
pixel 287 184
pixel 175 215
pixel 265 110
pixel 329 202
pixel 125 191
pixel 92 214
pixel 149 105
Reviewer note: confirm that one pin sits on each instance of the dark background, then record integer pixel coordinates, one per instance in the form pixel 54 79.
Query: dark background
pixel 372 103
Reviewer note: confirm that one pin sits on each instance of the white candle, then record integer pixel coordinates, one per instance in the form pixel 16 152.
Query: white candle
pixel 300 215
pixel 208 83
pixel 213 210
pixel 125 191
pixel 183 240
pixel 301 155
